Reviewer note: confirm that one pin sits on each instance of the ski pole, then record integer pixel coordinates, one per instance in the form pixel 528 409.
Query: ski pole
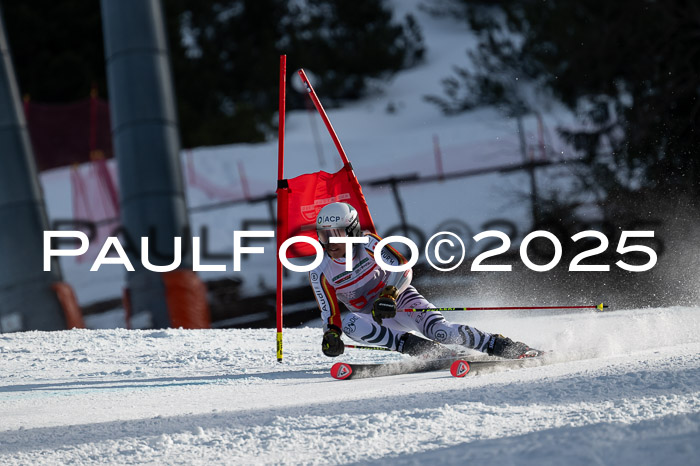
pixel 381 348
pixel 375 348
pixel 598 307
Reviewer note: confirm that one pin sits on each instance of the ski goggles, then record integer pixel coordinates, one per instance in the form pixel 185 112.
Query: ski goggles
pixel 325 234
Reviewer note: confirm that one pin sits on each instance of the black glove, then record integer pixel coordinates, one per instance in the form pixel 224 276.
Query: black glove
pixel 385 306
pixel 332 345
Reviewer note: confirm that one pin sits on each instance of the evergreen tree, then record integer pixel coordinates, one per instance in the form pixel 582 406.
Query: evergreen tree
pixel 226 65
pixel 56 48
pixel 629 69
pixel 225 55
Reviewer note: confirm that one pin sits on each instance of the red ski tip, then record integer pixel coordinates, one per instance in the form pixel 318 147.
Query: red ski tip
pixel 341 371
pixel 459 368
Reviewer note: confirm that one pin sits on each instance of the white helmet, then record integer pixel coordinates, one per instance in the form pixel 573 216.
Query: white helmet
pixel 337 219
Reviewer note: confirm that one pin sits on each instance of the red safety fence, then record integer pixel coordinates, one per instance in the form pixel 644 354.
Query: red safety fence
pixel 67 134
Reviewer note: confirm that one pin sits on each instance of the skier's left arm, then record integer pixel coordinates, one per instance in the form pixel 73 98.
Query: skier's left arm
pixel 390 256
pixel 396 282
pixel 332 345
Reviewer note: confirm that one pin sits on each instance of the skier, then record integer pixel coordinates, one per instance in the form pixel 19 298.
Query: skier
pixel 372 295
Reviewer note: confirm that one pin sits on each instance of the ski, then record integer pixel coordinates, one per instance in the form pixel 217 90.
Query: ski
pixel 346 371
pixel 462 367
pixel 459 367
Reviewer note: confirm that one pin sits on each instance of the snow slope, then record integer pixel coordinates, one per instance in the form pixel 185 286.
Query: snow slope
pixel 620 388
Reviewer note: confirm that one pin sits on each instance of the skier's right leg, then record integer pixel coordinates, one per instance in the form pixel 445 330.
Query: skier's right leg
pixel 392 335
pixel 363 329
pixel 433 325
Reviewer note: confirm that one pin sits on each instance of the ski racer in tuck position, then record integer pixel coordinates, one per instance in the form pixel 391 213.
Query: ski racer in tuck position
pixel 372 295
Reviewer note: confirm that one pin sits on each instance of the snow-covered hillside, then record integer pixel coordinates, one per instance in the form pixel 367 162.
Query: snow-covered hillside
pixel 620 388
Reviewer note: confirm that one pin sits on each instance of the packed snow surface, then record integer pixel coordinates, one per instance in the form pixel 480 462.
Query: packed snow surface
pixel 617 388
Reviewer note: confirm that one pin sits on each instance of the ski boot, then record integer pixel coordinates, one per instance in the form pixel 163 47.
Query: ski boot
pixel 427 349
pixel 504 347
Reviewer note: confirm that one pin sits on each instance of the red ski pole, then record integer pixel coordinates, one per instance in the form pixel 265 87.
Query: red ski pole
pixel 599 307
